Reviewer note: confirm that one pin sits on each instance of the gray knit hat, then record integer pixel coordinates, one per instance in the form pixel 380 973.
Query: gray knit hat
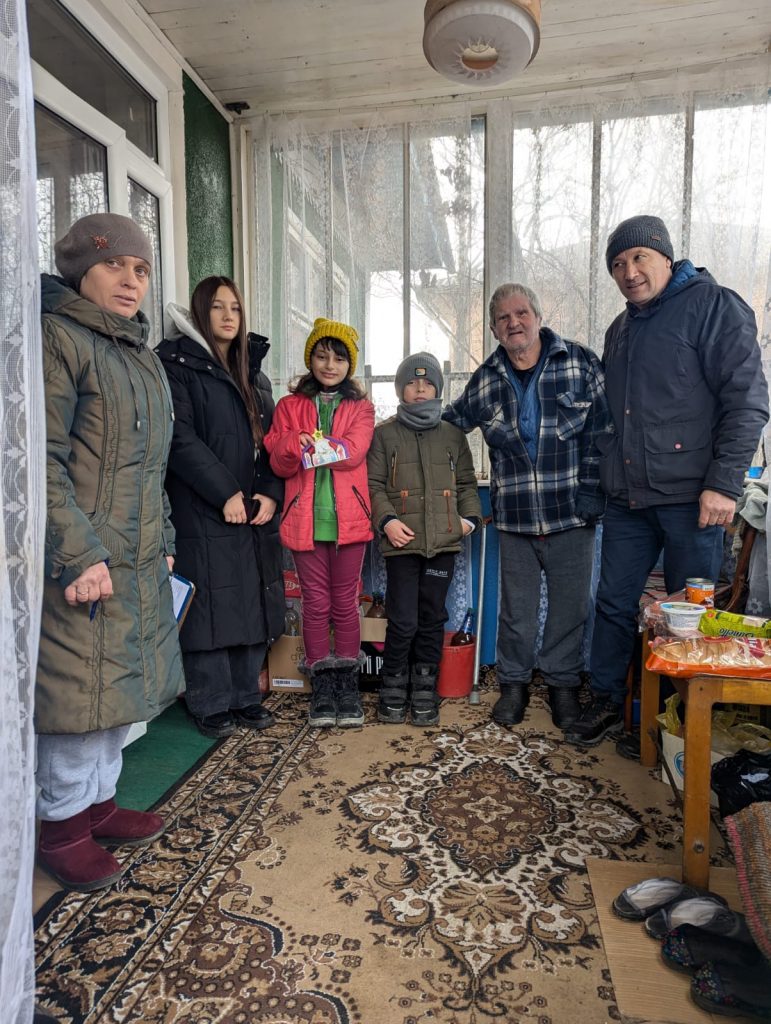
pixel 420 365
pixel 644 230
pixel 96 238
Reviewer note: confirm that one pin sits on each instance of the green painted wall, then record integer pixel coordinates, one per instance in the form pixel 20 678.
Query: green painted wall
pixel 207 175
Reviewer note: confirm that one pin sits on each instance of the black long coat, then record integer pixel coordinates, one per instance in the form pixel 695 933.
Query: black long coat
pixel 237 569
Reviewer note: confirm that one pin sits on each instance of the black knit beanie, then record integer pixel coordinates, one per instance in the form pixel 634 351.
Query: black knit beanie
pixel 645 230
pixel 96 238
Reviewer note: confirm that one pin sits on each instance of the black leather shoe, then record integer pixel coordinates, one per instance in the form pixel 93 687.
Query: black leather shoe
pixel 216 726
pixel 254 716
pixel 564 705
pixel 509 709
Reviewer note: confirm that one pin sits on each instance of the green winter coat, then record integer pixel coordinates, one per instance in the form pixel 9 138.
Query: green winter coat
pixel 109 423
pixel 427 480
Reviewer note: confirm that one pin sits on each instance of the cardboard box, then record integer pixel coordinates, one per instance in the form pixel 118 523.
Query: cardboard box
pixel 674 755
pixel 284 660
pixel 373 631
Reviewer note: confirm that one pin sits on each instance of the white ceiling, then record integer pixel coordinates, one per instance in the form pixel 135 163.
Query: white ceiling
pixel 310 55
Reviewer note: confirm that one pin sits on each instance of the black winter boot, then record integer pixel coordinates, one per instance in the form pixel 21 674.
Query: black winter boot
pixel 424 702
pixel 392 706
pixel 323 708
pixel 509 709
pixel 349 707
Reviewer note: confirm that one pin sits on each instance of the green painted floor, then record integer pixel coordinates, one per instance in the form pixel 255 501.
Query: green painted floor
pixel 156 761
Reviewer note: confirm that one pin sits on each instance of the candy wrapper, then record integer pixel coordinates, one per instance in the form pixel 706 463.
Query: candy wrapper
pixel 323 452
pixel 749 657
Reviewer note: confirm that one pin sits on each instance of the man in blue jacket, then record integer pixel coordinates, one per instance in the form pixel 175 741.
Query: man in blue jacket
pixel 688 401
pixel 540 403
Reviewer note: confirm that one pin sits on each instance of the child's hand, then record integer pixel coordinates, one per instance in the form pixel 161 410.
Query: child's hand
pixel 398 534
pixel 233 510
pixel 305 440
pixel 266 511
pixel 467 527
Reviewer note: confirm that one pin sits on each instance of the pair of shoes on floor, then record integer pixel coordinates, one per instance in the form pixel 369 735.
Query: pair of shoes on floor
pixel 598 719
pixel 223 723
pixel 335 699
pixel 639 901
pixel 71 851
pixel 510 707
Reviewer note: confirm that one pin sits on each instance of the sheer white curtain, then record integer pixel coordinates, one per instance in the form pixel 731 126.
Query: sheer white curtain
pixel 22 509
pixel 701 160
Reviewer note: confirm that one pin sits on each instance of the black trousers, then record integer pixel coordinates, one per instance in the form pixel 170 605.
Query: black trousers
pixel 415 598
pixel 223 679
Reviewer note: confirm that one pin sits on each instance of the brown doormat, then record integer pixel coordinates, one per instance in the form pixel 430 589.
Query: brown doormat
pixel 382 875
pixel 646 989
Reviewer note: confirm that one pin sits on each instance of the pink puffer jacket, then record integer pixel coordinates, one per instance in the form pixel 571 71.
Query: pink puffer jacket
pixel 354 422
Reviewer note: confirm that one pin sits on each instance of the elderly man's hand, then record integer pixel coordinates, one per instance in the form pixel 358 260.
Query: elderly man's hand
pixel 715 509
pixel 95 584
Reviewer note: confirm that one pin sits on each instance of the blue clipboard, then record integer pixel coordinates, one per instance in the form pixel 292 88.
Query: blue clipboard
pixel 182 592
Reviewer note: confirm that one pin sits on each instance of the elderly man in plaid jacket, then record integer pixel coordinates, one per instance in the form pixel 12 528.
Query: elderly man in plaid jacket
pixel 540 403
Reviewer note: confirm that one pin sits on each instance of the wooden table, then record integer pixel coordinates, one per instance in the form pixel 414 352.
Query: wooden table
pixel 699 693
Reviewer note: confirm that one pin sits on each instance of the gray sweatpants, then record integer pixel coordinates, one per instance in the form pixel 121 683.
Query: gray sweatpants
pixel 566 559
pixel 76 771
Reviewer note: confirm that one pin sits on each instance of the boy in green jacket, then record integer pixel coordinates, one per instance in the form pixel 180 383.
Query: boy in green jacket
pixel 424 502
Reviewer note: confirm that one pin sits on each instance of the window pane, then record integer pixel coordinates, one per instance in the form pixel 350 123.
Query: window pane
pixel 60 44
pixel 368 216
pixel 447 242
pixel 642 172
pixel 551 222
pixel 71 180
pixel 144 208
pixel 731 183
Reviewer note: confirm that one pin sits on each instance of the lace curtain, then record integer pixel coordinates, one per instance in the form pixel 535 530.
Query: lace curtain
pixel 22 508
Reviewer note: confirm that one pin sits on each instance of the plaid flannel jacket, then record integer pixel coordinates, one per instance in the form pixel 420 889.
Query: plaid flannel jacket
pixel 539 499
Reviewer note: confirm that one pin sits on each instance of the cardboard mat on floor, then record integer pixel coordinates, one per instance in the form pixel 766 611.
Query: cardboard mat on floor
pixel 646 989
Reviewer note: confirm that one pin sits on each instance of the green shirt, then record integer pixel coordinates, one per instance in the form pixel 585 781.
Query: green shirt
pixel 324 511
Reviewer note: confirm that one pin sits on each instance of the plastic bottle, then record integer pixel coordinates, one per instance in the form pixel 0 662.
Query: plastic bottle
pixel 465 634
pixel 291 621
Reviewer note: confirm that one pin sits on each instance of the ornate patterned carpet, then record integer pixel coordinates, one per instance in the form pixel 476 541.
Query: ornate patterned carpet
pixel 384 875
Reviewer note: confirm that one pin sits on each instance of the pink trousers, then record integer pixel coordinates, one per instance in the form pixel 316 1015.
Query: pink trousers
pixel 329 579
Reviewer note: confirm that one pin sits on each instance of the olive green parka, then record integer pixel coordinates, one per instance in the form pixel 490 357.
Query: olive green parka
pixel 109 424
pixel 427 480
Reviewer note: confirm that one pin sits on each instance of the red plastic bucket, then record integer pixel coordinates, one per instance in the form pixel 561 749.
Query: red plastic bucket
pixel 456 669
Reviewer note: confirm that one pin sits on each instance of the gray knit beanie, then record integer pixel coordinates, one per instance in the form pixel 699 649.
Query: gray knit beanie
pixel 648 231
pixel 96 238
pixel 420 365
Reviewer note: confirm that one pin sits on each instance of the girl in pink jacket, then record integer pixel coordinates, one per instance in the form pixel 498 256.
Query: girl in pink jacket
pixel 318 442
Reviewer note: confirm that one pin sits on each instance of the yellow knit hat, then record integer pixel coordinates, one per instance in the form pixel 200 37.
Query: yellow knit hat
pixel 323 328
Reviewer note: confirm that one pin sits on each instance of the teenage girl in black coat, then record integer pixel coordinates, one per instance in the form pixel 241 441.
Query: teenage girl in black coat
pixel 224 505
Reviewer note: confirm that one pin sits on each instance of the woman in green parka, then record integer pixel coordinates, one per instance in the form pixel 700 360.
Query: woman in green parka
pixel 109 651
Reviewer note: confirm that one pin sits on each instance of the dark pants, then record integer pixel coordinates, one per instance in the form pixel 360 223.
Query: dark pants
pixel 566 559
pixel 415 599
pixel 223 679
pixel 632 540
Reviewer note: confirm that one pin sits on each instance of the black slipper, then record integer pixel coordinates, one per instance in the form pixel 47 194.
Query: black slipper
pixel 689 948
pixel 733 991
pixel 707 912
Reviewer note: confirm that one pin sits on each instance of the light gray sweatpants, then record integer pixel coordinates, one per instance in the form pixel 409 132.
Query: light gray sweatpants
pixel 76 771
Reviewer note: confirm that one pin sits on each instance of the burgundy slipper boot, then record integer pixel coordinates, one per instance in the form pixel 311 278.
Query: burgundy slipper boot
pixel 69 854
pixel 118 826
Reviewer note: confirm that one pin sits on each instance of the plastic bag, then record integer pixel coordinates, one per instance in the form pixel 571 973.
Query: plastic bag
pixel 718 623
pixel 741 780
pixel 748 657
pixel 728 735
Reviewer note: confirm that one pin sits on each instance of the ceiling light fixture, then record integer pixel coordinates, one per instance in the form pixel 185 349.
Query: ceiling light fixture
pixel 481 42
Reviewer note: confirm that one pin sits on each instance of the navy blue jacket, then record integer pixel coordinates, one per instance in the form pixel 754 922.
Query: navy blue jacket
pixel 686 393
